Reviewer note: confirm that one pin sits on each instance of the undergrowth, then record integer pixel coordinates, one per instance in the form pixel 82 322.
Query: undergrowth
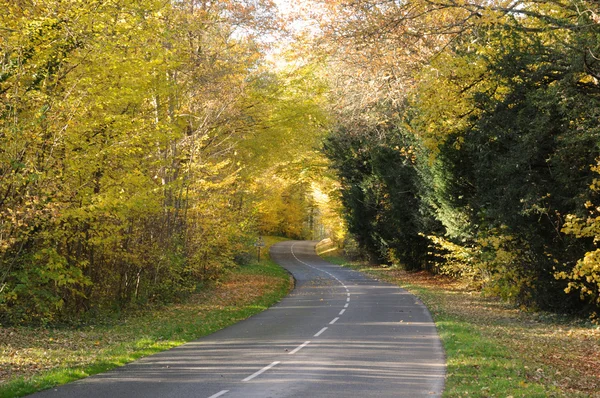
pixel 33 359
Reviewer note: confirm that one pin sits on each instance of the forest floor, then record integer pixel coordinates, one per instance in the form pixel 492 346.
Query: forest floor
pixel 496 350
pixel 33 359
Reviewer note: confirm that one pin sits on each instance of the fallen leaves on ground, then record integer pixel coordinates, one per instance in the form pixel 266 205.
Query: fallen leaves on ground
pixel 561 351
pixel 26 351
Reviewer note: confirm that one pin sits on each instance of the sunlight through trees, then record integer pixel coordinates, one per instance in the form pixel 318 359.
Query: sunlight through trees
pixel 144 146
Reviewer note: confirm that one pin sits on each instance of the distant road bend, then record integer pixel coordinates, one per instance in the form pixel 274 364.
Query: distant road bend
pixel 338 334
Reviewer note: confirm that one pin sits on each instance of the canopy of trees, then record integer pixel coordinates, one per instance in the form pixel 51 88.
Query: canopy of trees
pixel 144 145
pixel 467 140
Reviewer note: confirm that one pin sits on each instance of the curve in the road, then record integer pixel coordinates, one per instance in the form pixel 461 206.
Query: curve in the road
pixel 339 333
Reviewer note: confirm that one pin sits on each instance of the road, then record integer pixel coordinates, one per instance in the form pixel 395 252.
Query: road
pixel 338 334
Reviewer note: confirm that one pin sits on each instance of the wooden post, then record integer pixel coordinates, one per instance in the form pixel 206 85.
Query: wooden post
pixel 259 243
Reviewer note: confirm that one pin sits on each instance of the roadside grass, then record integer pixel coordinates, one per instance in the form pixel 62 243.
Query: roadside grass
pixel 496 350
pixel 34 359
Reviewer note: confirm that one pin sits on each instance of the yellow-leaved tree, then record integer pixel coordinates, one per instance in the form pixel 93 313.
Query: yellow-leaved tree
pixel 119 123
pixel 585 275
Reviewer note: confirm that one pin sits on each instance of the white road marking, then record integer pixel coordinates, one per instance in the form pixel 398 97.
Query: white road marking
pixel 318 269
pixel 342 311
pixel 321 331
pixel 252 376
pixel 220 393
pixel 295 350
pixel 301 346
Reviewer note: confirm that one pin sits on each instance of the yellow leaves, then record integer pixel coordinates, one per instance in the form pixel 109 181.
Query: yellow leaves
pixel 131 117
pixel 445 95
pixel 585 276
pixel 408 152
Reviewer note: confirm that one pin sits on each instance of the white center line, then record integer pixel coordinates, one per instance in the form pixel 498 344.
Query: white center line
pixel 348 299
pixel 348 294
pixel 219 394
pixel 252 376
pixel 301 346
pixel 346 306
pixel 342 311
pixel 316 268
pixel 334 321
pixel 321 331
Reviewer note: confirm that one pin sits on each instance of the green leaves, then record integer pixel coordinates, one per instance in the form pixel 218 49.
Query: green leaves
pixel 502 103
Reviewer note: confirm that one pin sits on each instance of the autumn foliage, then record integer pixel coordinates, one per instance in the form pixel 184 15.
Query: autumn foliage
pixel 467 138
pixel 145 145
pixel 131 134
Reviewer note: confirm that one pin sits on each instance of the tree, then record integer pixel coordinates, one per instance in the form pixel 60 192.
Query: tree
pixel 119 128
pixel 500 97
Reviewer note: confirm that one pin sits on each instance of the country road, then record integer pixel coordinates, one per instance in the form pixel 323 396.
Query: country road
pixel 338 334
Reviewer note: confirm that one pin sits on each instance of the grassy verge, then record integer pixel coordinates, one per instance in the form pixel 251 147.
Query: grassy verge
pixel 33 359
pixel 495 350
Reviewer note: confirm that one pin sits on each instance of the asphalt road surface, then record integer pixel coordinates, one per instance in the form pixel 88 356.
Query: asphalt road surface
pixel 338 334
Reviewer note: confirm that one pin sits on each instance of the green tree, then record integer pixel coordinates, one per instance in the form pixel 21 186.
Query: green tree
pixel 502 99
